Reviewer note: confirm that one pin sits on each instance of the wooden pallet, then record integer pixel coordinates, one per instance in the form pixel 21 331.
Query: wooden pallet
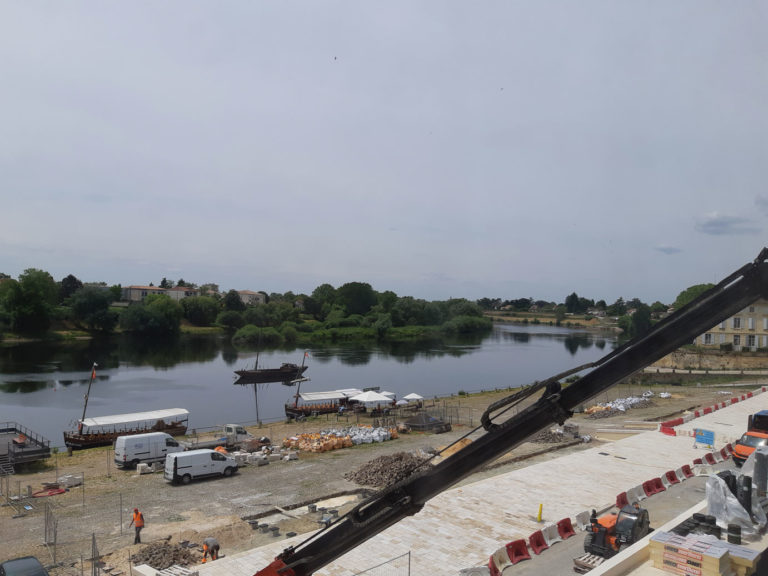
pixel 586 562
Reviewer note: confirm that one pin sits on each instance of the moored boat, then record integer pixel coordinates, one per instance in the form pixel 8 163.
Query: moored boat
pixel 310 403
pixel 286 373
pixel 104 430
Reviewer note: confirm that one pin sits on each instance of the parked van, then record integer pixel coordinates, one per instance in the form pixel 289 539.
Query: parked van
pixel 187 466
pixel 747 444
pixel 147 448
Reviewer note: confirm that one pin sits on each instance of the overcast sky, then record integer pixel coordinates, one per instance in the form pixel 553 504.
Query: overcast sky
pixel 437 149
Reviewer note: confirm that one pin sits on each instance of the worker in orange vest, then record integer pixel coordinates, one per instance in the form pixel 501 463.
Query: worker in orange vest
pixel 138 522
pixel 210 546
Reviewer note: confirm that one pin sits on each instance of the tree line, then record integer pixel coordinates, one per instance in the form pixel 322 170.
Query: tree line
pixel 634 316
pixel 35 303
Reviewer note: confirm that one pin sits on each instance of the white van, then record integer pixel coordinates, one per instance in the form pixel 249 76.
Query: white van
pixel 186 466
pixel 147 448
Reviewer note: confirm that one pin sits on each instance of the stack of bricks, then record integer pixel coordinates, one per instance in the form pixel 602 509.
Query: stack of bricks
pixel 699 555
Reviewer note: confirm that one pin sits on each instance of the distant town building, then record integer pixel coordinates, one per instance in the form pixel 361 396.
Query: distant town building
pixel 140 293
pixel 249 297
pixel 747 330
pixel 181 292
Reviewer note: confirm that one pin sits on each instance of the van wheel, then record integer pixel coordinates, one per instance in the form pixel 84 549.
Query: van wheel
pixel 186 479
pixel 134 464
pixel 227 472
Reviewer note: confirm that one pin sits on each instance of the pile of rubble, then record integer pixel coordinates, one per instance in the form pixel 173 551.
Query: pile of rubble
pixel 336 438
pixel 618 406
pixel 550 437
pixel 162 555
pixel 567 433
pixel 386 470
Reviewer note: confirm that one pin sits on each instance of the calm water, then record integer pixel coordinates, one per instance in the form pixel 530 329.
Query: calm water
pixel 42 386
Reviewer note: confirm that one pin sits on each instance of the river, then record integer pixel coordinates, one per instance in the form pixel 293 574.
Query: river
pixel 42 385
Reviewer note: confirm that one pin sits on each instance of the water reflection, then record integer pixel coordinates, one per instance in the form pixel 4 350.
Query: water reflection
pixel 572 341
pixel 110 352
pixel 26 386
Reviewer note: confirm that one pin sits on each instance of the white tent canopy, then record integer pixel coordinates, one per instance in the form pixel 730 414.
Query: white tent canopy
pixel 372 396
pixel 401 402
pixel 413 396
pixel 390 394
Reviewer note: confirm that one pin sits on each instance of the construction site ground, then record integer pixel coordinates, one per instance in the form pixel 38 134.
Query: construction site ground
pixel 98 512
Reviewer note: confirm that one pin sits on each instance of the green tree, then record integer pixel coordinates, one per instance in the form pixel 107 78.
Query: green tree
pixel 30 301
pixel 382 324
pixel 618 308
pixel 408 311
pixel 232 301
pixel 90 308
pixel 572 303
pixel 158 315
pixel 690 293
pixel 386 300
pixel 230 320
pixel 325 295
pixel 200 310
pixel 68 286
pixel 116 292
pixel 356 297
pixel 641 320
pixel 658 308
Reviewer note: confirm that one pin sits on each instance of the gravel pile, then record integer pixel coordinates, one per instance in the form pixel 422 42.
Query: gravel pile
pixel 162 555
pixel 385 470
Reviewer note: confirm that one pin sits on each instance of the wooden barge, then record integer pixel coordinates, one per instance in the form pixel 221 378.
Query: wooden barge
pixel 104 430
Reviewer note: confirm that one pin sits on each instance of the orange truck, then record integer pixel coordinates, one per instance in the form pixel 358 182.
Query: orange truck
pixel 747 444
pixel 755 436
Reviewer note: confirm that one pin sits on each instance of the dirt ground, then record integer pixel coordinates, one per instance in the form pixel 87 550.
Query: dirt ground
pixel 276 494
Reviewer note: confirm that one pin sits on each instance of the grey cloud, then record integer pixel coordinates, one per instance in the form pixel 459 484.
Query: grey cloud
pixel 721 225
pixel 667 249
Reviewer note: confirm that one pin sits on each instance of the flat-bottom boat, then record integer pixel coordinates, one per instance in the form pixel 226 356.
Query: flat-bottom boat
pixel 104 430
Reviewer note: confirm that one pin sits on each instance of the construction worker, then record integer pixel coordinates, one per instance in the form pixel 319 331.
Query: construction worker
pixel 210 546
pixel 137 520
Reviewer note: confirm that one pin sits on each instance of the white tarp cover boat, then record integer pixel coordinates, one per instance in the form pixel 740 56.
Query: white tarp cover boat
pixel 152 416
pixel 329 396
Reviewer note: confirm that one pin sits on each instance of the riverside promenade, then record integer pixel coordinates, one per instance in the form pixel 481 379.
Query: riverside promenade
pixel 462 527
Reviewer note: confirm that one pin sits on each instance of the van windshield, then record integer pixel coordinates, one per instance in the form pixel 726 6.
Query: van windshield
pixel 752 441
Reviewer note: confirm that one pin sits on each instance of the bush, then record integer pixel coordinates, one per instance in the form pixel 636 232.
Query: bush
pixel 465 324
pixel 254 336
pixel 230 320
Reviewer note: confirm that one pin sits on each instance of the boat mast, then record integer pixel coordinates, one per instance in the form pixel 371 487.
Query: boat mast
pixel 85 404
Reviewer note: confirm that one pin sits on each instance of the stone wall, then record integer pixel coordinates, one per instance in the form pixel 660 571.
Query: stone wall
pixel 707 359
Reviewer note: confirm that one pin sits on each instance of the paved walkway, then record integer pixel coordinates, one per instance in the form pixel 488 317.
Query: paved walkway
pixel 462 527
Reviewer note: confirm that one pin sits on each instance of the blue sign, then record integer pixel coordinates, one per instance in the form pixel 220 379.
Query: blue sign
pixel 704 436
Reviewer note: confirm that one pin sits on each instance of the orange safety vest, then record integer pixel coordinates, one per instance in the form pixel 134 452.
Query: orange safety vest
pixel 138 520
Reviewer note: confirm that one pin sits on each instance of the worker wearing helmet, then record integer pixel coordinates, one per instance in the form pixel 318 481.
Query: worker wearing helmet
pixel 210 546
